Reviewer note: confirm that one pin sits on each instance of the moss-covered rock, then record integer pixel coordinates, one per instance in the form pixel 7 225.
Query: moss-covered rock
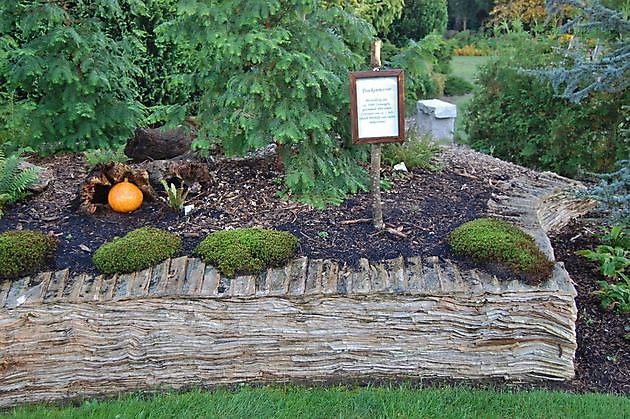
pixel 24 251
pixel 247 250
pixel 137 250
pixel 494 241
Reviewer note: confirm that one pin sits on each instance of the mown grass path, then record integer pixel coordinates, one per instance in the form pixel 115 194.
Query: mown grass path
pixel 467 67
pixel 342 402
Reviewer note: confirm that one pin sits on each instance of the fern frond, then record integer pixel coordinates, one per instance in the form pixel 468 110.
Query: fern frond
pixel 14 182
pixel 8 169
pixel 3 201
pixel 21 182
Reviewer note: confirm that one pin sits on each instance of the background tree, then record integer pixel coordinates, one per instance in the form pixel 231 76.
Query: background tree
pixel 419 18
pixel 67 83
pixel 584 71
pixel 380 13
pixel 468 14
pixel 528 12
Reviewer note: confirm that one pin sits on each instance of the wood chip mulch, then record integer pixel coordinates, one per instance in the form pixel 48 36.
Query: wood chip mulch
pixel 425 205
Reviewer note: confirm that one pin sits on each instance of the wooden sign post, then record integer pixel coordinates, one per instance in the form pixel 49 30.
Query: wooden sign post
pixel 377 111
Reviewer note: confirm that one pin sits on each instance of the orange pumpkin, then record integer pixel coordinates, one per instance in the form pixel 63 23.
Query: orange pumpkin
pixel 125 197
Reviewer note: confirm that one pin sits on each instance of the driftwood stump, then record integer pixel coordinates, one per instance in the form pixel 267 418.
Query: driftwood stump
pixel 148 177
pixel 93 191
pixel 158 144
pixel 182 173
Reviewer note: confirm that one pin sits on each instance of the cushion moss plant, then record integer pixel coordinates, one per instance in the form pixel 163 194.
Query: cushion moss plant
pixel 24 251
pixel 246 250
pixel 488 240
pixel 137 250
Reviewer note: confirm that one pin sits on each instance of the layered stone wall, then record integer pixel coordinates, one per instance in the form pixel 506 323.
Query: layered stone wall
pixel 181 323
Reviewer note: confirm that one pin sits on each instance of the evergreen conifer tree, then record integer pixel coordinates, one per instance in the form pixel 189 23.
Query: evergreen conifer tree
pixel 277 72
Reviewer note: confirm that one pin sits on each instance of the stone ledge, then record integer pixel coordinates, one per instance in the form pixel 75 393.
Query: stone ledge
pixel 52 352
pixel 190 277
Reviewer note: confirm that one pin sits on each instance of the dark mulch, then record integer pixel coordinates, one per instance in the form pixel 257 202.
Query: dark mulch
pixel 427 205
pixel 602 362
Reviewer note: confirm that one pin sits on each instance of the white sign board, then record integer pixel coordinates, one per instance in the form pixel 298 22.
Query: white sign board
pixel 377 107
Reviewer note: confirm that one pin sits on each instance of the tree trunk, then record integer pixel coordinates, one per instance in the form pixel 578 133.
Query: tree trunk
pixel 158 144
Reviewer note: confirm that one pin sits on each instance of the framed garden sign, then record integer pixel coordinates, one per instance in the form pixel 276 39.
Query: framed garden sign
pixel 377 106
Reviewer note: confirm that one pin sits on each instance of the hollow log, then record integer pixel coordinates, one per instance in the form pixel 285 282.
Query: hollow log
pixel 158 144
pixel 148 177
pixel 187 173
pixel 93 192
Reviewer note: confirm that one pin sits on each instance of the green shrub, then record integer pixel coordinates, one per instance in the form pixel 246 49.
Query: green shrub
pixel 106 155
pixel 137 250
pixel 613 190
pixel 488 240
pixel 71 79
pixel 615 296
pixel 24 251
pixel 469 38
pixel 456 85
pixel 518 117
pixel 419 18
pixel 247 250
pixel 380 13
pixel 614 260
pixel 415 152
pixel 426 65
pixel 278 74
pixel 14 181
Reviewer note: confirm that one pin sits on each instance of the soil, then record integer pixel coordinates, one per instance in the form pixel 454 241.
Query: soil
pixel 602 361
pixel 425 205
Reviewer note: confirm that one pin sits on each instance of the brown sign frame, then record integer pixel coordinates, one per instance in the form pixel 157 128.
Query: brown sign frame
pixel 354 112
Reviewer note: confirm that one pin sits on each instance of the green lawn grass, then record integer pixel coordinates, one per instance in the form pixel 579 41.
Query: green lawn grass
pixel 466 67
pixel 342 402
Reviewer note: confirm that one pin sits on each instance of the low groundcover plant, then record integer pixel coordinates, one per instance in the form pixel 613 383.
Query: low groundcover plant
pixel 246 250
pixel 489 240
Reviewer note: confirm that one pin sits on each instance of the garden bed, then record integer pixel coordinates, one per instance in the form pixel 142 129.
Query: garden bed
pixel 602 360
pixel 426 204
pixel 245 193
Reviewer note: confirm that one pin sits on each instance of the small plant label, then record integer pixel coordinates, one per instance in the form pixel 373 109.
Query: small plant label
pixel 377 106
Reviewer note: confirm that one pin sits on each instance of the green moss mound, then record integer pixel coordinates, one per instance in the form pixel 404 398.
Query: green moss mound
pixel 24 251
pixel 137 250
pixel 246 250
pixel 487 240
